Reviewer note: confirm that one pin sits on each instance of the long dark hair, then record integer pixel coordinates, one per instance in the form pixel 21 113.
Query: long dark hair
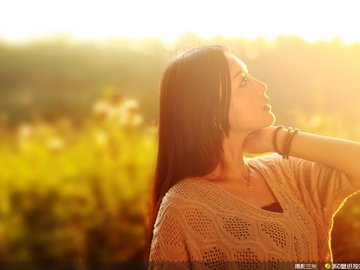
pixel 195 92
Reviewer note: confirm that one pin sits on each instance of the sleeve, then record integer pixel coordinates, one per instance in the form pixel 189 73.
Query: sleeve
pixel 323 189
pixel 168 249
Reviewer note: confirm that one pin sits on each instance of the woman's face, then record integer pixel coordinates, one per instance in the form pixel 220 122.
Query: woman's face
pixel 248 99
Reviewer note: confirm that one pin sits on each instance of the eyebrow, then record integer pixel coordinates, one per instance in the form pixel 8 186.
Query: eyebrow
pixel 238 73
pixel 244 70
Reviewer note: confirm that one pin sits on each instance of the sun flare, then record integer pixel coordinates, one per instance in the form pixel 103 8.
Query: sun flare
pixel 311 20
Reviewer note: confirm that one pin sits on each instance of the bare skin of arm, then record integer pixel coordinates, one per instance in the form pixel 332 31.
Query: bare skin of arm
pixel 340 154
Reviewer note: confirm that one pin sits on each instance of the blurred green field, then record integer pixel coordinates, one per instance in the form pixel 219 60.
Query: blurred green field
pixel 69 193
pixel 75 166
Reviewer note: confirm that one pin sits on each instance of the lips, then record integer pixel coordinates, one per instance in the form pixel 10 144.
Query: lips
pixel 267 107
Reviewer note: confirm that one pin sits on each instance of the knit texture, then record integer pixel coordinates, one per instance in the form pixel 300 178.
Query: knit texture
pixel 201 222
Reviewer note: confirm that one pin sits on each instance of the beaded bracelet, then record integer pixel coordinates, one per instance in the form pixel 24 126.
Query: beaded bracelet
pixel 275 136
pixel 286 143
pixel 289 137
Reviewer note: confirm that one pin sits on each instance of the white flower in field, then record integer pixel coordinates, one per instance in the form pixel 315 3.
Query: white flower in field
pixel 129 113
pixel 124 111
pixel 55 144
pixel 130 104
pixel 131 120
pixel 103 109
pixel 25 131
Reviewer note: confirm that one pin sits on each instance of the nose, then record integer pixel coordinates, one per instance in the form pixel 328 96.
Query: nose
pixel 263 87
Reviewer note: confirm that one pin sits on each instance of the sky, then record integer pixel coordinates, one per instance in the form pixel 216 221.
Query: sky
pixel 312 20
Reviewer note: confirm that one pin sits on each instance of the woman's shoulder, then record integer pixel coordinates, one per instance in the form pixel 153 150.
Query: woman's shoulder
pixel 196 192
pixel 184 195
pixel 184 190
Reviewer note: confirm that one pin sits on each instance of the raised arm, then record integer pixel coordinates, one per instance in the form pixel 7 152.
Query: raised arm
pixel 340 154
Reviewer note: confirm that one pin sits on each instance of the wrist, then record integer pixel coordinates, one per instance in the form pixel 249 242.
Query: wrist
pixel 282 139
pixel 277 138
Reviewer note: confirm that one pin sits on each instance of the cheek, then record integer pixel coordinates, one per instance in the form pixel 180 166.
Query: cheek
pixel 238 115
pixel 243 115
pixel 240 105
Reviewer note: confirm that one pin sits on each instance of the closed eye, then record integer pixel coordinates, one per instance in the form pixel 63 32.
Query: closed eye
pixel 244 79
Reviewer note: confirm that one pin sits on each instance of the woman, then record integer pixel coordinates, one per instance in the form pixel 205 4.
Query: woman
pixel 211 206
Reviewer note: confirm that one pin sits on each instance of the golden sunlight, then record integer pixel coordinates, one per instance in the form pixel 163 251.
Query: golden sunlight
pixel 311 20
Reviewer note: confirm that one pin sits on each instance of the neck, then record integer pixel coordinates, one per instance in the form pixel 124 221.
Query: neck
pixel 232 165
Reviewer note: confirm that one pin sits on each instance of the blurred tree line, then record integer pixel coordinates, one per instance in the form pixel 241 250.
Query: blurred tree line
pixel 61 76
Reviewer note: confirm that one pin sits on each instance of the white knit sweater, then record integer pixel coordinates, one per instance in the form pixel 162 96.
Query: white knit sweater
pixel 202 226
